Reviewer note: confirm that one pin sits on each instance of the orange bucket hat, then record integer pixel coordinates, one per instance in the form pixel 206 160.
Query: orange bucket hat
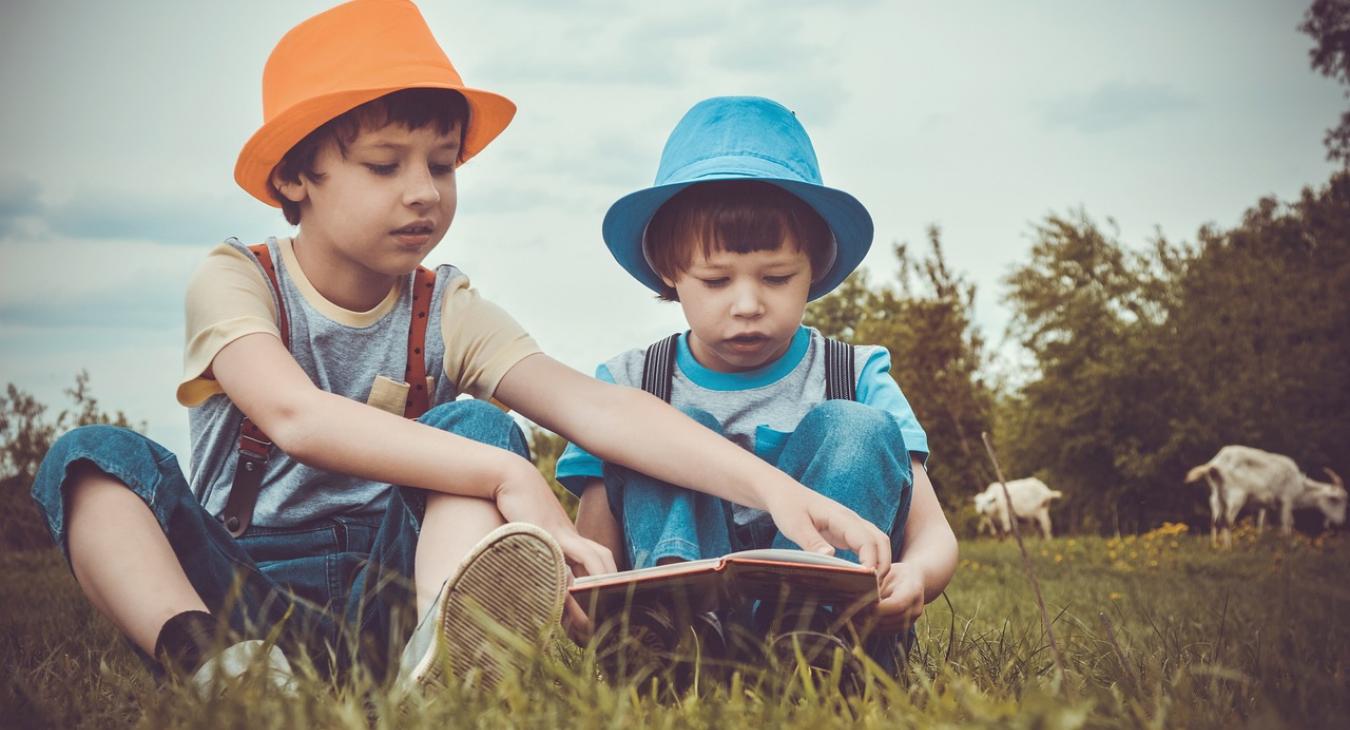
pixel 343 58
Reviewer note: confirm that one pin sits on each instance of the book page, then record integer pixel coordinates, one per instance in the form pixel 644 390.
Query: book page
pixel 655 571
pixel 792 556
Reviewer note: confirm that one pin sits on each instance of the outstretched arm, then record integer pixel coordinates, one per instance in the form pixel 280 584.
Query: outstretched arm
pixel 341 435
pixel 635 429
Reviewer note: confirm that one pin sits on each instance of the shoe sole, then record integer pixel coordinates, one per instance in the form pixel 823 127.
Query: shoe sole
pixel 512 584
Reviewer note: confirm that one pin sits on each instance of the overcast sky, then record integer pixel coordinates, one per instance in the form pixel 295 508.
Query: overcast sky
pixel 122 121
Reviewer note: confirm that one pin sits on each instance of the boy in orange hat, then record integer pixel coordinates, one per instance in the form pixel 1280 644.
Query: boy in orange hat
pixel 323 369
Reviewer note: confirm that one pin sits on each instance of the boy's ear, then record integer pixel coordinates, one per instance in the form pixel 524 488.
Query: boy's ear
pixel 292 190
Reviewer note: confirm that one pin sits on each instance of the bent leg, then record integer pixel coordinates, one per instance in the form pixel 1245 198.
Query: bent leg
pixel 663 522
pixel 121 558
pixel 424 536
pixel 856 456
pixel 140 546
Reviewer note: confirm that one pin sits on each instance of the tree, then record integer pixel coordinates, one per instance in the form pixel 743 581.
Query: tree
pixel 1146 362
pixel 1082 310
pixel 937 356
pixel 26 433
pixel 1328 22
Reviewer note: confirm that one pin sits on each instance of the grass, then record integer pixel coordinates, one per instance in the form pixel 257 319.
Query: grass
pixel 1156 631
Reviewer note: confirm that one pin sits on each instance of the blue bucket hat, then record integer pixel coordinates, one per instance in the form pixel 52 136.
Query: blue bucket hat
pixel 740 138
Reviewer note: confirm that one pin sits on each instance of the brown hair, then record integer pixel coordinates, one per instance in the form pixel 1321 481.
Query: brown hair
pixel 737 216
pixel 411 108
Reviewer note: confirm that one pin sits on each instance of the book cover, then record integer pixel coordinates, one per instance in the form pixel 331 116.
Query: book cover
pixel 773 574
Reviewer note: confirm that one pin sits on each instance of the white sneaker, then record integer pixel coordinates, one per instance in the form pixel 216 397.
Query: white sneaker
pixel 219 672
pixel 507 595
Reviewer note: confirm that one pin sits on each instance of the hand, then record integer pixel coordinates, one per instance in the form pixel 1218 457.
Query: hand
pixel 524 496
pixel 575 622
pixel 901 599
pixel 819 524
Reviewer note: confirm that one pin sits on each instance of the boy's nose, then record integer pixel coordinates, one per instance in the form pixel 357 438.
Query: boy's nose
pixel 421 188
pixel 747 302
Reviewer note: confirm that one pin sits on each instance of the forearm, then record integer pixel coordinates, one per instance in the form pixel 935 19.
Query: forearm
pixel 934 555
pixel 670 447
pixel 929 545
pixel 595 521
pixel 341 435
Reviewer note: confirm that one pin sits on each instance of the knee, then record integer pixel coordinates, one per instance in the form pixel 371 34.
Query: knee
pixel 87 450
pixel 478 420
pixel 853 423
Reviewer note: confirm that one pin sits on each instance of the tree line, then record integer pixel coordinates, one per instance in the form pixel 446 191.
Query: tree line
pixel 1141 361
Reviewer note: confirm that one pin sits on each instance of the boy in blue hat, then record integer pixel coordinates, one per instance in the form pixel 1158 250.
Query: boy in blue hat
pixel 740 231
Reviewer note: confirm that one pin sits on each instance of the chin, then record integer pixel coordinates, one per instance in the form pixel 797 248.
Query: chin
pixel 741 362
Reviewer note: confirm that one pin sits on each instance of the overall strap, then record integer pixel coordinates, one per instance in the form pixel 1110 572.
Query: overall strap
pixel 658 367
pixel 841 378
pixel 255 447
pixel 415 375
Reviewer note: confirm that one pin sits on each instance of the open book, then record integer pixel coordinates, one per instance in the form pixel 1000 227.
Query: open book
pixel 770 574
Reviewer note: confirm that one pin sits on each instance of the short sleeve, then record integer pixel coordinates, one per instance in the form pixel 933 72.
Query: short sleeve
pixel 226 299
pixel 878 389
pixel 482 341
pixel 576 466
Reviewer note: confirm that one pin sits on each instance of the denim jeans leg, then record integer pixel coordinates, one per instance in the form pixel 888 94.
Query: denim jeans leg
pixel 383 596
pixel 661 520
pixel 856 456
pixel 219 569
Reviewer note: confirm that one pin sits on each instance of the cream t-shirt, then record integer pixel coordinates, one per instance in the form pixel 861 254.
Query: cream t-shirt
pixel 471 344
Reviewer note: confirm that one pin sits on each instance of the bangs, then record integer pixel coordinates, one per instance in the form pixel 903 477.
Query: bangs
pixel 736 216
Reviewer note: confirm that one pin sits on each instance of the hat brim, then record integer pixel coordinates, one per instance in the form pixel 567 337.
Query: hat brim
pixel 626 223
pixel 489 114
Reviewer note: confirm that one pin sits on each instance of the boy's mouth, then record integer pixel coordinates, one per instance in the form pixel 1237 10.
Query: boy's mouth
pixel 747 341
pixel 414 235
pixel 414 229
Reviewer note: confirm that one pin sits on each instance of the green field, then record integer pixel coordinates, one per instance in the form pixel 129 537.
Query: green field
pixel 1156 631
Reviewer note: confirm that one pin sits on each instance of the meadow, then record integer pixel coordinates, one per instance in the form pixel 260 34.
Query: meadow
pixel 1156 630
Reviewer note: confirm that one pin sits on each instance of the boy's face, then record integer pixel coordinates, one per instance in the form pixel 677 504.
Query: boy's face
pixel 743 308
pixel 384 205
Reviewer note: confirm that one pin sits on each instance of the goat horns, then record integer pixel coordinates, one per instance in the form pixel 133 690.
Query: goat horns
pixel 1334 476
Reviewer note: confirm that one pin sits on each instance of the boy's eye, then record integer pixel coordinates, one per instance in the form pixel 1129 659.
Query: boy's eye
pixel 382 169
pixel 439 170
pixel 778 280
pixel 715 283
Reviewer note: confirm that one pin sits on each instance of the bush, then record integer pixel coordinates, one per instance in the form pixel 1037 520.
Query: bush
pixel 26 434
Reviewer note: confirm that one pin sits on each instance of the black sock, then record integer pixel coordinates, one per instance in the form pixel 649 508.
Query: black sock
pixel 184 641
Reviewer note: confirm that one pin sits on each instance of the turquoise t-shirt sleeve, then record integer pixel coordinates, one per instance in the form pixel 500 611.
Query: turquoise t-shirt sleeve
pixel 878 389
pixel 577 466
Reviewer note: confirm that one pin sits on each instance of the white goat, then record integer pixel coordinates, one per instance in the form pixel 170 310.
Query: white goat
pixel 1030 500
pixel 1241 474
